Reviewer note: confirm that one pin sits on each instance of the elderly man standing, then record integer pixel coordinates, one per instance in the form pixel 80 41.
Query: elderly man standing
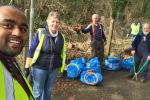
pixel 141 50
pixel 97 35
pixel 13 37
pixel 134 29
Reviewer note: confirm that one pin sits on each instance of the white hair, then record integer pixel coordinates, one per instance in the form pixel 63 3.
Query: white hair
pixel 53 14
pixel 94 15
pixel 147 24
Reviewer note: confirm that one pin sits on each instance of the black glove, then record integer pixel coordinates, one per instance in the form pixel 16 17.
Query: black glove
pixel 26 72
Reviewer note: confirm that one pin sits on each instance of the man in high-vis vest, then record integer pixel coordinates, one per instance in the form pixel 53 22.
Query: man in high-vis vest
pixel 13 37
pixel 134 29
pixel 97 36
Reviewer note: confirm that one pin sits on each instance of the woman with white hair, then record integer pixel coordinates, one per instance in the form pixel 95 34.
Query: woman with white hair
pixel 46 55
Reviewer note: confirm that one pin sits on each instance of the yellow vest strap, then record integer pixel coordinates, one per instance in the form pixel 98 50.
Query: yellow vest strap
pixel 2 86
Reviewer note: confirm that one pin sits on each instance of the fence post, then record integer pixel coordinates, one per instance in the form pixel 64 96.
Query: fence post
pixel 109 37
pixel 31 31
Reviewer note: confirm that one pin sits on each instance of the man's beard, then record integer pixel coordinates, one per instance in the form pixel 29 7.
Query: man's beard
pixel 146 33
pixel 12 53
pixel 9 51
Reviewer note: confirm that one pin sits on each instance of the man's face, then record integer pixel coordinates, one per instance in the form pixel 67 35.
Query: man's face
pixel 95 19
pixel 135 24
pixel 146 29
pixel 13 31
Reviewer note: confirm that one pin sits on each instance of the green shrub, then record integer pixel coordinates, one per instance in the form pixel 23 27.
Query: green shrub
pixel 118 6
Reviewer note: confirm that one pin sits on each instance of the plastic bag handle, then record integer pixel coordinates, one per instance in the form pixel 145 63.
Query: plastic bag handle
pixel 89 70
pixel 75 65
pixel 87 81
pixel 127 57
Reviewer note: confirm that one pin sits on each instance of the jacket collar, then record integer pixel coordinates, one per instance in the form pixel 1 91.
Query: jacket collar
pixel 47 31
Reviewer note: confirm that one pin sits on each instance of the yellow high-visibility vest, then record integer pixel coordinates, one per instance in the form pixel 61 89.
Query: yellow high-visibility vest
pixel 135 29
pixel 17 92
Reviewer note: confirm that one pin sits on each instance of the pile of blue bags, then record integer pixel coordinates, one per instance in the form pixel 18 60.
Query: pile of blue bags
pixel 112 63
pixel 127 62
pixel 90 71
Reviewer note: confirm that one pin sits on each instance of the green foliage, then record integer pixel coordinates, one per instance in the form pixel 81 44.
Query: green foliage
pixel 118 6
pixel 78 10
pixel 4 2
pixel 145 9
pixel 145 4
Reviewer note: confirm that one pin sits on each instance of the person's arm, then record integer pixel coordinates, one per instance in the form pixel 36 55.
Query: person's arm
pixel 28 61
pixel 30 54
pixel 31 51
pixel 87 29
pixel 130 30
pixel 148 57
pixel 134 45
pixel 103 33
pixel 136 41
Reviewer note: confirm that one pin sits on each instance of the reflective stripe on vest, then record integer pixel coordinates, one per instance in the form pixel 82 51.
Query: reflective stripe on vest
pixel 63 54
pixel 2 83
pixel 94 32
pixel 13 89
pixel 135 29
pixel 38 49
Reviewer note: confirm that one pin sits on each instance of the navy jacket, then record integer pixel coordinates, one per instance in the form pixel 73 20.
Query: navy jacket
pixel 97 31
pixel 137 40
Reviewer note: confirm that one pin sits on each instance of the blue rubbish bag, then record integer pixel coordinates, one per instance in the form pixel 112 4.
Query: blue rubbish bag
pixel 94 60
pixel 113 59
pixel 112 66
pixel 79 61
pixel 83 67
pixel 73 70
pixel 94 65
pixel 90 78
pixel 127 63
pixel 96 68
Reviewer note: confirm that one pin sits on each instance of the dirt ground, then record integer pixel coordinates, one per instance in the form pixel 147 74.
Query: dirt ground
pixel 114 86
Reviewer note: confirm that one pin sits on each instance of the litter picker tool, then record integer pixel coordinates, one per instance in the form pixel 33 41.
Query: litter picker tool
pixel 136 73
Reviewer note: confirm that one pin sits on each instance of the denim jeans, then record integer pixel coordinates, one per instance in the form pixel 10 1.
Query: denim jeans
pixel 43 83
